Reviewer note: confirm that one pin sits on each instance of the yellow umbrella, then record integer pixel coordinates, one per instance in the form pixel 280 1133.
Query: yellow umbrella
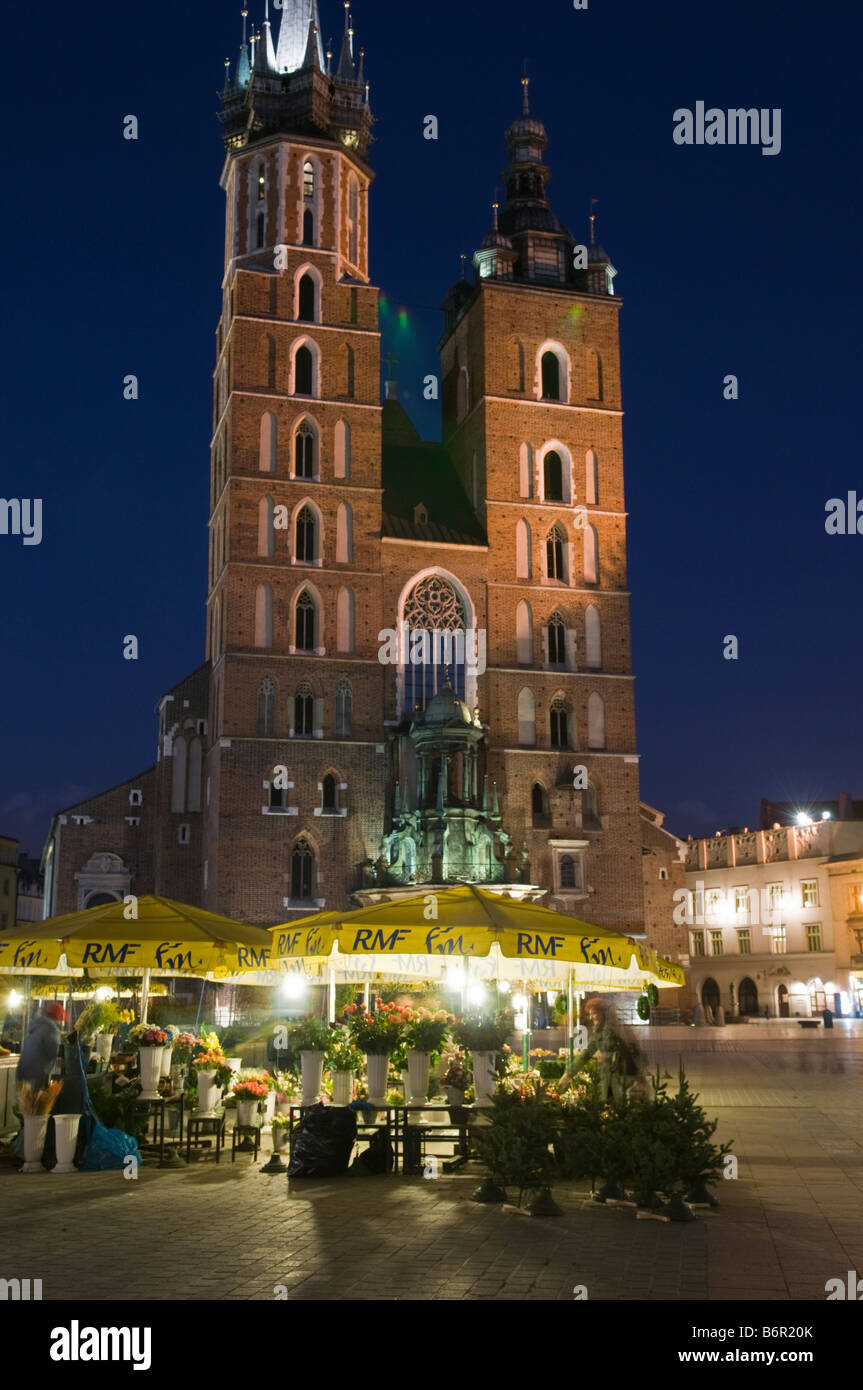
pixel 421 934
pixel 144 934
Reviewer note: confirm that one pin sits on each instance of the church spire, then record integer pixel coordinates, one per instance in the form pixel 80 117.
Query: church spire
pixel 346 60
pixel 244 67
pixel 267 53
pixel 311 58
pixel 295 37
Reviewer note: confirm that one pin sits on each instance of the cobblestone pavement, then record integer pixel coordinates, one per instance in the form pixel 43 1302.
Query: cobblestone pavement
pixel 793 1219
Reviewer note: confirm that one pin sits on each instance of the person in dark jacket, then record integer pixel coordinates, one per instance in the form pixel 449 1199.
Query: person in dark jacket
pixel 40 1047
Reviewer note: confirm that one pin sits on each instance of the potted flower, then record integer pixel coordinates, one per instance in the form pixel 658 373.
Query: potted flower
pixel 150 1042
pixel 287 1091
pixel 249 1093
pixel 484 1038
pixel 213 1073
pixel 344 1060
pixel 455 1079
pixel 424 1034
pixel 281 1131
pixel 183 1044
pixel 311 1038
pixel 377 1035
pixel 95 1027
pixel 34 1108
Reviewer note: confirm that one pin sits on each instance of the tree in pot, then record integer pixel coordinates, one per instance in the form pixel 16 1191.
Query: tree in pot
pixel 579 1148
pixel 515 1148
pixel 702 1161
pixel 311 1038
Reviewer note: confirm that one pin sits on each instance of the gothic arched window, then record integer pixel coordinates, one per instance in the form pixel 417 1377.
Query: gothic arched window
pixel 550 369
pixel 353 220
pixel 554 553
pixel 329 795
pixel 344 709
pixel 308 227
pixel 350 374
pixel 567 871
pixel 552 471
pixel 307 307
pixel 306 622
pixel 266 705
pixel 435 618
pixel 259 232
pixel 556 640
pixel 304 373
pixel 308 179
pixel 559 724
pixel 304 711
pixel 302 870
pixel 305 451
pixel 539 804
pixel 306 548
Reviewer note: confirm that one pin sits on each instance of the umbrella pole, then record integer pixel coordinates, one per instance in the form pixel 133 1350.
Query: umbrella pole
pixel 200 1006
pixel 570 1019
pixel 145 993
pixel 525 1037
pixel 332 996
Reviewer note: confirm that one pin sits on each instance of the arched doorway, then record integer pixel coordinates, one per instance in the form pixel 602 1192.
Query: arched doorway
pixel 99 899
pixel 710 994
pixel 782 1002
pixel 748 996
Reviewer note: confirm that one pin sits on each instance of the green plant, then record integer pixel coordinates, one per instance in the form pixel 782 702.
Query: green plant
pixel 310 1035
pixel 98 1016
pixel 480 1033
pixel 515 1148
pixel 117 1111
pixel 700 1159
pixel 425 1031
pixel 642 1007
pixel 395 1097
pixel 281 1122
pixel 377 1034
pixel 342 1052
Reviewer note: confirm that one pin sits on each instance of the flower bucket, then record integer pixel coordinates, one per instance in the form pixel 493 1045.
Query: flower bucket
pixel 167 1054
pixel 419 1064
pixel 454 1096
pixel 208 1093
pixel 269 1107
pixel 235 1063
pixel 343 1087
pixel 312 1067
pixel 150 1062
pixel 377 1069
pixel 35 1129
pixel 283 1107
pixel 280 1138
pixel 247 1112
pixel 65 1139
pixel 484 1076
pixel 103 1047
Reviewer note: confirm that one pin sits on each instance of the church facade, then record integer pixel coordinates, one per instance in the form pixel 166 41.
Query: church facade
pixel 418 663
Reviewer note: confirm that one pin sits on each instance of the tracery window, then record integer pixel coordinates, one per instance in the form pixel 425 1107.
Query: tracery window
pixel 435 617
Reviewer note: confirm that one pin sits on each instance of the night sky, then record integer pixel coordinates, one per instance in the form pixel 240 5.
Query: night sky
pixel 729 261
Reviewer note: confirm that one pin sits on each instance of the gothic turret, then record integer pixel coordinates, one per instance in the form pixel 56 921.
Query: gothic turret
pixel 543 244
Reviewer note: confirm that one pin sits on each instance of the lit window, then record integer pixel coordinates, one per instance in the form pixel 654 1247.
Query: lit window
pixel 262 182
pixel 716 943
pixel 778 941
pixel 809 889
pixel 741 900
pixel 813 936
pixel 698 943
pixel 774 895
pixel 308 179
pixel 744 942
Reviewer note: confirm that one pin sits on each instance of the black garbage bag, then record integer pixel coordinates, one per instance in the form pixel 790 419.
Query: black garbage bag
pixel 323 1143
pixel 377 1158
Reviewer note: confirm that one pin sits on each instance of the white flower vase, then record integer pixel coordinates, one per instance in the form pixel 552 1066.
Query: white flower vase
pixel 343 1087
pixel 419 1064
pixel 167 1054
pixel 35 1129
pixel 235 1063
pixel 65 1139
pixel 208 1093
pixel 247 1111
pixel 484 1076
pixel 377 1069
pixel 454 1096
pixel 283 1107
pixel 150 1062
pixel 103 1047
pixel 312 1066
pixel 280 1138
pixel 269 1107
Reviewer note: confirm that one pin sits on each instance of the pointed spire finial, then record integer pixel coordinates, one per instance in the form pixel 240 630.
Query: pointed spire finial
pixel 329 56
pixel 495 209
pixel 525 83
pixel 463 259
pixel 592 219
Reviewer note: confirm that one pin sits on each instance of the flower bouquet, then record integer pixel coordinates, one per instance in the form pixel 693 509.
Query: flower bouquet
pixel 455 1079
pixel 425 1031
pixel 147 1035
pixel 343 1053
pixel 213 1060
pixel 183 1044
pixel 34 1107
pixel 377 1034
pixel 288 1090
pixel 310 1035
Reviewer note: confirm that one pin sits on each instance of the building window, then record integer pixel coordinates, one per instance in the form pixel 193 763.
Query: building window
pixel 353 220
pixel 259 232
pixel 308 179
pixel 539 804
pixel 559 721
pixel 591 555
pixel 262 182
pixel 305 623
pixel 435 617
pixel 744 942
pixel 304 372
pixel 714 902
pixel 855 897
pixel 306 548
pixel 135 797
pixel 184 834
pixel 556 641
pixel 550 368
pixel 809 889
pixel 304 711
pixel 266 705
pixel 302 871
pixel 552 476
pixel 307 300
pixel 526 718
pixel 350 373
pixel 567 871
pixel 308 227
pixel 344 709
pixel 329 796
pixel 813 936
pixel 698 943
pixel 304 451
pixel 554 553
pixel 277 797
pixel 716 943
pixel 774 895
pixel 778 941
pixel 741 901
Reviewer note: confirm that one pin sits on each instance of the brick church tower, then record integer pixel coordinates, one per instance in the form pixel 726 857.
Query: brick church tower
pixel 418 662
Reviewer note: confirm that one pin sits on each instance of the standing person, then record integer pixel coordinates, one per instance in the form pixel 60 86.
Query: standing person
pixel 616 1055
pixel 40 1047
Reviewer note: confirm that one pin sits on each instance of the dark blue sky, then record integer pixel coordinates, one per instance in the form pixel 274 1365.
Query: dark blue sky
pixel 729 262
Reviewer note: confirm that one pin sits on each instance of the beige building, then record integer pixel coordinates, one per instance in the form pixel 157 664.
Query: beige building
pixel 775 919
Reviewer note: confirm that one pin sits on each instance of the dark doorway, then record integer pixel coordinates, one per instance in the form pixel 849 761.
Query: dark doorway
pixel 782 1000
pixel 710 995
pixel 748 995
